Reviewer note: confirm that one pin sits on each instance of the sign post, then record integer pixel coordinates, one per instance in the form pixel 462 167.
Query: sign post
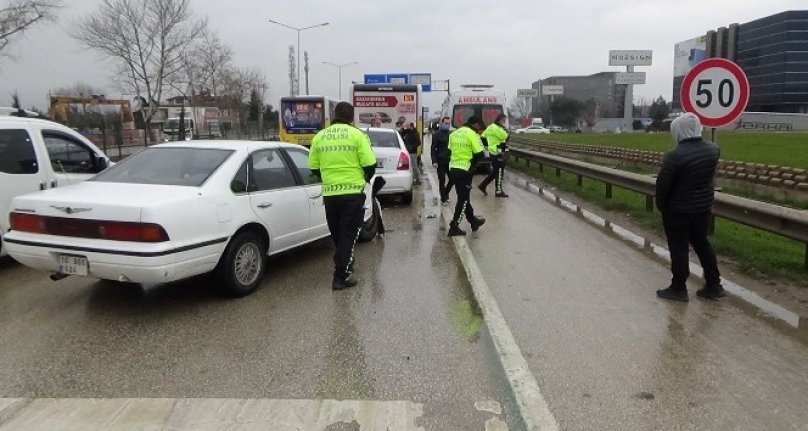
pixel 717 91
pixel 630 59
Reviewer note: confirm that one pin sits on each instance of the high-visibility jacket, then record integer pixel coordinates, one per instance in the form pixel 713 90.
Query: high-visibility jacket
pixel 496 135
pixel 340 151
pixel 464 143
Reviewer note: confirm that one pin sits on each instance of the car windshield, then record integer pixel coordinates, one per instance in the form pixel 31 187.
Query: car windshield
pixel 174 123
pixel 388 139
pixel 167 166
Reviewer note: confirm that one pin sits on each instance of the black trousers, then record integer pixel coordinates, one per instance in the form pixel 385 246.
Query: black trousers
pixel 683 230
pixel 497 170
pixel 445 182
pixel 344 215
pixel 462 183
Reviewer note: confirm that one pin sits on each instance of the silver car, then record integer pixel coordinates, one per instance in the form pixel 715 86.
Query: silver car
pixel 392 162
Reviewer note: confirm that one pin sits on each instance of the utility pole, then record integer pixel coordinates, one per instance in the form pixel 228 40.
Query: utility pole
pixel 306 69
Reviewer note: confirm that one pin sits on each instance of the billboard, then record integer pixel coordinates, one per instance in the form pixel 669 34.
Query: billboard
pixel 630 58
pixel 630 78
pixel 552 90
pixel 527 92
pixel 687 54
pixel 387 103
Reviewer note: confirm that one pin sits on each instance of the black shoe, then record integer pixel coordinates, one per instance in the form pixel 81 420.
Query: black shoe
pixel 476 222
pixel 673 294
pixel 482 189
pixel 456 231
pixel 712 292
pixel 501 195
pixel 340 283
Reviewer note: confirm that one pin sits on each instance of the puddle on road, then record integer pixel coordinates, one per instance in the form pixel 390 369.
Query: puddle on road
pixel 769 308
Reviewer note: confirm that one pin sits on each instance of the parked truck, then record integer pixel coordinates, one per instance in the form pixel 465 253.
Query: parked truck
pixel 200 123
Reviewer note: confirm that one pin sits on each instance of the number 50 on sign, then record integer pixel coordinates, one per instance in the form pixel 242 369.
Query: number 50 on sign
pixel 716 90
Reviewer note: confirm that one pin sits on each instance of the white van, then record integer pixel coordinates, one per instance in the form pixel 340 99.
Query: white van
pixel 40 154
pixel 481 100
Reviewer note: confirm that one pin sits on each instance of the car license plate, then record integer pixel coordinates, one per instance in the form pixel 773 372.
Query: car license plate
pixel 72 265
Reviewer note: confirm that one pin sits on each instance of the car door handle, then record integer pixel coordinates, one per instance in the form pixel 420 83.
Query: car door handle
pixel 53 184
pixel 265 205
pixel 316 197
pixel 41 185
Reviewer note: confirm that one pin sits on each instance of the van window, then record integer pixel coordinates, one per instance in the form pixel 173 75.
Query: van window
pixel 68 156
pixel 488 113
pixel 17 154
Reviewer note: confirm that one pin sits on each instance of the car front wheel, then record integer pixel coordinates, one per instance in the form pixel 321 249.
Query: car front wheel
pixel 243 264
pixel 371 227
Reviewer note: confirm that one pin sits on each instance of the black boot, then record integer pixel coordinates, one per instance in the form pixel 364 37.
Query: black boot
pixel 673 294
pixel 454 230
pixel 482 189
pixel 712 292
pixel 501 195
pixel 340 283
pixel 476 222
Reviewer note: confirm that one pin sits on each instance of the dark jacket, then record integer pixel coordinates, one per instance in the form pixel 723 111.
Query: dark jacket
pixel 685 181
pixel 440 147
pixel 411 140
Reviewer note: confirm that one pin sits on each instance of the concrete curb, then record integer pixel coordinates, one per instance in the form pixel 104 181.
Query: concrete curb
pixel 533 409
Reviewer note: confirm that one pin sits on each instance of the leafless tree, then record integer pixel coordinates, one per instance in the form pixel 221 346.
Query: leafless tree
pixel 208 61
pixel 237 84
pixel 79 89
pixel 20 15
pixel 591 113
pixel 521 107
pixel 147 40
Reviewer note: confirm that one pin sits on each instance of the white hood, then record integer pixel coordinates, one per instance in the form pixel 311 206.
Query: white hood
pixel 686 127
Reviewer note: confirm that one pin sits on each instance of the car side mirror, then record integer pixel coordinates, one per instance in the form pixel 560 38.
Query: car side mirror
pixel 101 163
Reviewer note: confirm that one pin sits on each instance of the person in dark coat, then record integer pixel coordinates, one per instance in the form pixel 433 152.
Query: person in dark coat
pixel 684 196
pixel 440 158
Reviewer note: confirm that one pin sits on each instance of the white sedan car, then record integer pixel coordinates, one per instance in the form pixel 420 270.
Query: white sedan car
pixel 177 210
pixel 534 129
pixel 392 162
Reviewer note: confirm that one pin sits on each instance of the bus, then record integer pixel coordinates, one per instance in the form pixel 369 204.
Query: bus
pixel 301 117
pixel 481 100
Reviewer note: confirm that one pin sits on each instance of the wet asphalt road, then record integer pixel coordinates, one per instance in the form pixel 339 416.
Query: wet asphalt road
pixel 608 354
pixel 410 331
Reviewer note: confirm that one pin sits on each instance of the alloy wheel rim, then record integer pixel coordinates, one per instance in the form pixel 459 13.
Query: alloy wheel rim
pixel 248 264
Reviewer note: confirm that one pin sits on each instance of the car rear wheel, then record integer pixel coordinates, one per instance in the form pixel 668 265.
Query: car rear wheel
pixel 371 227
pixel 243 264
pixel 406 198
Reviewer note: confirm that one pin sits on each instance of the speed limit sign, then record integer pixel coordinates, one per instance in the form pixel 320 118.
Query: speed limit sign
pixel 716 90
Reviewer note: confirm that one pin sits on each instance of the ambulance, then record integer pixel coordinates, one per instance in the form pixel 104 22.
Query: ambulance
pixel 474 99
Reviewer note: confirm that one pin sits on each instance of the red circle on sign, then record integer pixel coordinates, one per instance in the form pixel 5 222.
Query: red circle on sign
pixel 743 93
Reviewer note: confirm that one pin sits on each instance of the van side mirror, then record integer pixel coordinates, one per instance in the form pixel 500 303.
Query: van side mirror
pixel 101 163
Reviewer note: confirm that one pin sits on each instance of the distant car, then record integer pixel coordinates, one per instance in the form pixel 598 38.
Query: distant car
pixel 392 162
pixel 385 118
pixel 173 211
pixel 366 117
pixel 533 129
pixel 557 129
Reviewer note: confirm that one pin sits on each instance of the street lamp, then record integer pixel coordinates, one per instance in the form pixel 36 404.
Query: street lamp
pixel 340 66
pixel 298 30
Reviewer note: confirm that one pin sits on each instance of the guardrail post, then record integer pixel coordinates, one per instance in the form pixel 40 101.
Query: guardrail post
pixel 608 191
pixel 541 167
pixel 580 180
pixel 806 255
pixel 558 172
pixel 649 203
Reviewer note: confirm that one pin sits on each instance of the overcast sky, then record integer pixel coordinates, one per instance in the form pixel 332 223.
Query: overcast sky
pixel 508 43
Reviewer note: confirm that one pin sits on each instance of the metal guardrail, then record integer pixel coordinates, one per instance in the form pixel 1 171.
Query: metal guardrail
pixel 788 222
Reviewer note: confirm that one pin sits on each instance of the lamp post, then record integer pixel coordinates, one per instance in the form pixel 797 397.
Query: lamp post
pixel 298 30
pixel 340 66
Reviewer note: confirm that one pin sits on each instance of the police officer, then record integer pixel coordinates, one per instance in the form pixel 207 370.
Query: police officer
pixel 466 149
pixel 440 158
pixel 496 135
pixel 341 156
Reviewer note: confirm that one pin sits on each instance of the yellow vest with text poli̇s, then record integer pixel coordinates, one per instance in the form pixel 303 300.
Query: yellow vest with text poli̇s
pixel 464 143
pixel 339 152
pixel 495 135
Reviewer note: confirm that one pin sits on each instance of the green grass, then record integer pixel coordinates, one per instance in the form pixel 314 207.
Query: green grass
pixel 755 252
pixel 782 149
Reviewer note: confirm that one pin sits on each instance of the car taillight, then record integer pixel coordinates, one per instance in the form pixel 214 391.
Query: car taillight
pixel 27 222
pixel 403 162
pixel 96 229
